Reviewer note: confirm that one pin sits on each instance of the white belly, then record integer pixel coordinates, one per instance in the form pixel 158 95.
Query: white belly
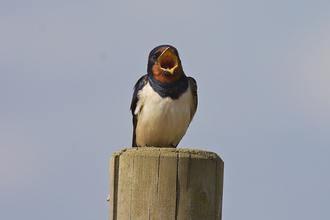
pixel 162 122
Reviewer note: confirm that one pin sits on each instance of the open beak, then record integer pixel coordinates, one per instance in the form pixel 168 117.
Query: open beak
pixel 168 61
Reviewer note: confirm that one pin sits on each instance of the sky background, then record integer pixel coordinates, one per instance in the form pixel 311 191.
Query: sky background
pixel 67 70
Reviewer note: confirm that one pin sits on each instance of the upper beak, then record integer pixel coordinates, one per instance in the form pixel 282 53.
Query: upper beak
pixel 168 61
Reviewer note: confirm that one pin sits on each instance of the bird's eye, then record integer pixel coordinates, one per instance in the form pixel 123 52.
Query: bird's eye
pixel 155 56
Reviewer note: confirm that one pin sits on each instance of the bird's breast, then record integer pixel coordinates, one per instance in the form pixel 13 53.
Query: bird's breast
pixel 162 122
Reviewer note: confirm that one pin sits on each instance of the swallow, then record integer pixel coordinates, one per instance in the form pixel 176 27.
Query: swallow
pixel 164 101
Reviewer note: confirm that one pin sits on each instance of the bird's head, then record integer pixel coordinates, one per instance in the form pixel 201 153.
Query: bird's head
pixel 164 64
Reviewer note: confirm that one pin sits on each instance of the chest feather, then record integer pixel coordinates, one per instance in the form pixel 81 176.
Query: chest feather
pixel 161 121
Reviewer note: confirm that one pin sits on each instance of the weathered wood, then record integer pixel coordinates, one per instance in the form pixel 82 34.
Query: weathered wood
pixel 165 183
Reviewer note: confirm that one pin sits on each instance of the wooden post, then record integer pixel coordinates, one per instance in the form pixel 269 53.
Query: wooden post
pixel 165 183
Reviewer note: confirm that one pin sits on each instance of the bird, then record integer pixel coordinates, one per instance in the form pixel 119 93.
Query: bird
pixel 164 101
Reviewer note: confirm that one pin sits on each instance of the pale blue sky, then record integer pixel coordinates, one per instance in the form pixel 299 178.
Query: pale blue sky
pixel 67 69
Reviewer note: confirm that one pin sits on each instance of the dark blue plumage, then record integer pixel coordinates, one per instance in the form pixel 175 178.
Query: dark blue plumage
pixel 173 90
